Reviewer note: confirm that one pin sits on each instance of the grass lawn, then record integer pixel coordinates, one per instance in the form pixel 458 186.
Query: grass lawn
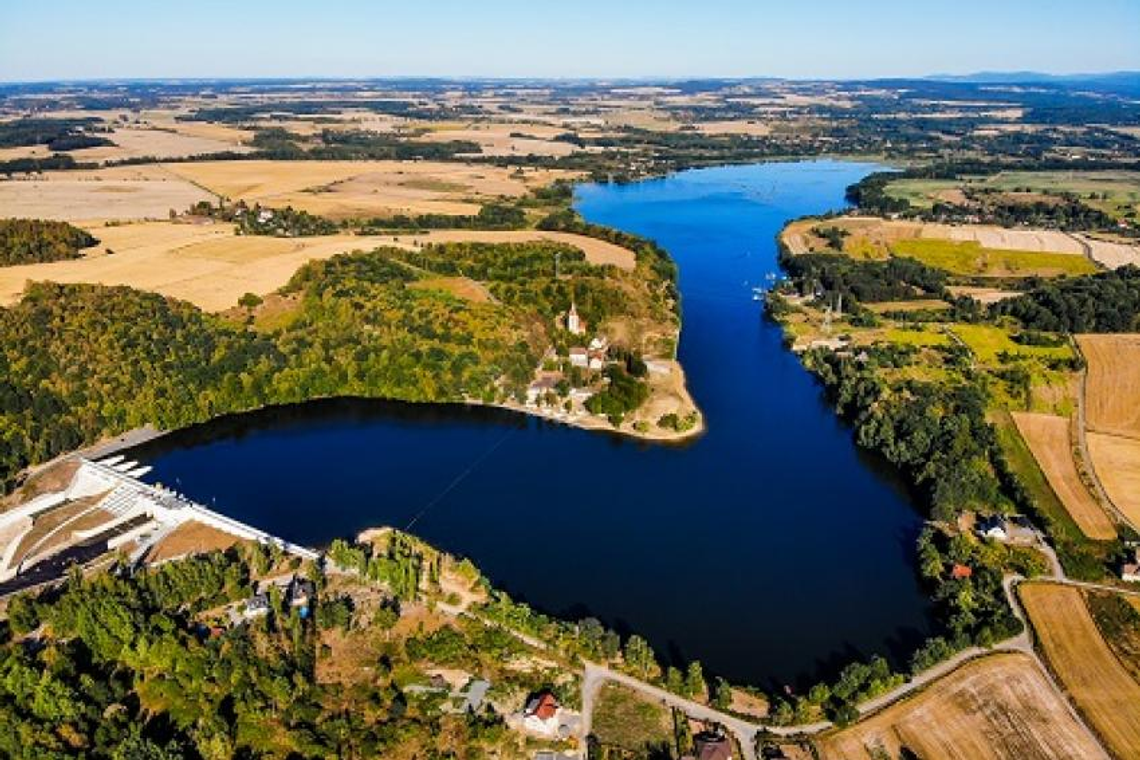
pixel 623 719
pixel 969 258
pixel 987 342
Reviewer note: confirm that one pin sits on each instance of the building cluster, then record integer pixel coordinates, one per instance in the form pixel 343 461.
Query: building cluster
pixel 299 594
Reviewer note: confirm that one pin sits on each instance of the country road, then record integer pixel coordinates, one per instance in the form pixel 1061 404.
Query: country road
pixel 596 675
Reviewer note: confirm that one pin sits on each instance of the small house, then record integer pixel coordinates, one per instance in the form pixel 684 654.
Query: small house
pixel 257 606
pixel 1016 529
pixel 960 571
pixel 1130 571
pixel 541 714
pixel 300 592
pixel 710 746
pixel 579 357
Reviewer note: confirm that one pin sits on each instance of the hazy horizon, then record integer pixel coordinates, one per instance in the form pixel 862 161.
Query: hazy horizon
pixel 590 40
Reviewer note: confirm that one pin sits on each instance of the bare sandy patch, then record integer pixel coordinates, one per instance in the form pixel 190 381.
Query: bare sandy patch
pixel 1000 706
pixel 1096 681
pixel 191 537
pixel 460 287
pixel 983 295
pixel 1049 439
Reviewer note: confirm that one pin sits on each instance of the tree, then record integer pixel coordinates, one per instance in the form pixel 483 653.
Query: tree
pixel 694 681
pixel 639 656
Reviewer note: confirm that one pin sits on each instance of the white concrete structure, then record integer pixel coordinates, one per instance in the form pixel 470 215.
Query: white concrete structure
pixel 126 499
pixel 573 322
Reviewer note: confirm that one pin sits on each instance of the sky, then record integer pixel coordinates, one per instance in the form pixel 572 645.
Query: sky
pixel 836 39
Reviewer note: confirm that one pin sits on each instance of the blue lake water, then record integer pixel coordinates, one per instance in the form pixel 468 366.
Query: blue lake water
pixel 771 548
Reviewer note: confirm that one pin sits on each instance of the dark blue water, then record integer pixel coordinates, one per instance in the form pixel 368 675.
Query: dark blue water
pixel 771 548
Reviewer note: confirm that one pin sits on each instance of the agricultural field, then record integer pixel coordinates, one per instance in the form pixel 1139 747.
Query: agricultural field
pixel 1117 193
pixel 970 259
pixel 210 266
pixel 117 193
pixel 1098 684
pixel 343 189
pixel 1113 392
pixel 987 342
pixel 999 706
pixel 1112 403
pixel 1048 437
pixel 963 250
pixel 1117 463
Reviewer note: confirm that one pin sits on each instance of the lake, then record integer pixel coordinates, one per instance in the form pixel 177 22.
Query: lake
pixel 771 548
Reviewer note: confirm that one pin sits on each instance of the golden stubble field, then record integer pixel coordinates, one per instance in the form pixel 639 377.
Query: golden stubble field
pixel 1098 684
pixel 118 193
pixel 1049 439
pixel 873 235
pixel 1112 400
pixel 341 189
pixel 210 266
pixel 1000 707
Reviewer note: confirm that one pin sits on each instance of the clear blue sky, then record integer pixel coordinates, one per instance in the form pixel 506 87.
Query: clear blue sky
pixel 58 39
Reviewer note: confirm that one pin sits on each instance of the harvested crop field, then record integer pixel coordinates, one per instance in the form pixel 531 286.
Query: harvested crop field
pixel 1000 706
pixel 971 258
pixel 1113 391
pixel 1111 254
pixel 1048 437
pixel 1116 460
pixel 132 142
pixel 969 250
pixel 1095 680
pixel 210 266
pixel 341 189
pixel 121 193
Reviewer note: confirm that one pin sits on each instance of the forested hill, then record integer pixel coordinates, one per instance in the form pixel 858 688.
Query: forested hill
pixel 31 241
pixel 78 362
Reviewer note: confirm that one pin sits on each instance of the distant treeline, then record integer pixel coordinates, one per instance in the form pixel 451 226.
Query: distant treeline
pixel 31 241
pixel 57 134
pixel 238 114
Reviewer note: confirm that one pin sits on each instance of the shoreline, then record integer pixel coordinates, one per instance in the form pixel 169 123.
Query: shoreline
pixel 147 433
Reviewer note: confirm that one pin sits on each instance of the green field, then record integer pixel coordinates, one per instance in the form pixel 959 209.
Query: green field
pixel 925 337
pixel 969 258
pixel 987 342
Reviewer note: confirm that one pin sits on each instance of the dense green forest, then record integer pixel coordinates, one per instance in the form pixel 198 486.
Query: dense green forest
pixel 30 241
pixel 1104 302
pixel 124 669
